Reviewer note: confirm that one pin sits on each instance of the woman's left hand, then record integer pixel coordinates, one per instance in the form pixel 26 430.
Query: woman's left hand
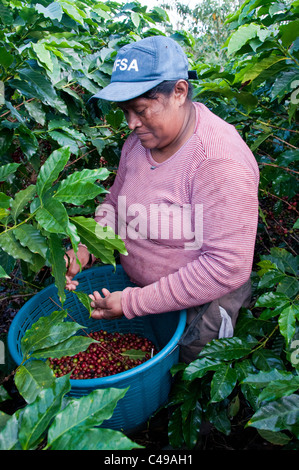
pixel 107 307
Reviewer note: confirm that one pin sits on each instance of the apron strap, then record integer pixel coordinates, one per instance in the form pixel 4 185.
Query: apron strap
pixel 191 333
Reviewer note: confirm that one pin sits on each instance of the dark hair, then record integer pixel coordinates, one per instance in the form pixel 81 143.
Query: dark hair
pixel 166 88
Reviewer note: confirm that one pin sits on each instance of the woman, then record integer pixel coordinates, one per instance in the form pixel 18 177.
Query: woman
pixel 184 200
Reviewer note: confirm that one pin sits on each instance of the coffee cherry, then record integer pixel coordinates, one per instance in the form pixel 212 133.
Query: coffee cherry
pixel 104 358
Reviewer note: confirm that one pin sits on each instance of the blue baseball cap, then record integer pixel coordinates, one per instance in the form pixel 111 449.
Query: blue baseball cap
pixel 142 65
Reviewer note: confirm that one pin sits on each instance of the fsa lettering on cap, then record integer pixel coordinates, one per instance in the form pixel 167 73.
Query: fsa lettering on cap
pixel 122 64
pixel 142 65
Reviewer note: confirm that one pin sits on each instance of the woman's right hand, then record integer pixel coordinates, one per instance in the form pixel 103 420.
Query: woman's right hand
pixel 73 266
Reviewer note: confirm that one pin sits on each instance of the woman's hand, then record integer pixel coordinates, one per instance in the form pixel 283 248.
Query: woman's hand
pixel 73 267
pixel 107 307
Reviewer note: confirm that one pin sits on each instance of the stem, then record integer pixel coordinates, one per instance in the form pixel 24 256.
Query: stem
pixel 29 283
pixel 16 296
pixel 276 127
pixel 18 225
pixel 284 142
pixel 281 167
pixel 18 106
pixel 277 197
pixel 263 343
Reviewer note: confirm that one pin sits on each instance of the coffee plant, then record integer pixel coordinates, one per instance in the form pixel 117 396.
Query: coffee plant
pixel 54 144
pixel 48 420
pixel 260 365
pixel 257 91
pixel 59 153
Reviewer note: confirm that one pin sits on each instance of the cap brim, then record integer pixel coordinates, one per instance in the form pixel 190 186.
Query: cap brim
pixel 124 91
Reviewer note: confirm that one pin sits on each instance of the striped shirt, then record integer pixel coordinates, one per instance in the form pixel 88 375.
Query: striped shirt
pixel 189 223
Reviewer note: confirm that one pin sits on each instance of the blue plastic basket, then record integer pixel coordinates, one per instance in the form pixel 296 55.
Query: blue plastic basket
pixel 149 383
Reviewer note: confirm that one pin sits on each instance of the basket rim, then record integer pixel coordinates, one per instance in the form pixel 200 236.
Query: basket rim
pixel 112 379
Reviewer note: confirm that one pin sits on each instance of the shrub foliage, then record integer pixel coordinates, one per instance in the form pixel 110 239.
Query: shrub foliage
pixel 59 153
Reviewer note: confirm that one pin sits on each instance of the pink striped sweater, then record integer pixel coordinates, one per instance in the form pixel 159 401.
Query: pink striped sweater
pixel 189 223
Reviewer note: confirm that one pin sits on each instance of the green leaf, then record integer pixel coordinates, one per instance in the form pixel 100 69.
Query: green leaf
pixel 31 238
pixel 115 118
pixel 85 300
pixel 73 235
pixel 134 354
pixel 43 55
pixel 3 213
pixel 272 300
pixel 279 388
pixel 110 239
pixel 226 349
pixel 259 140
pixel 78 193
pixel 283 84
pixel 200 367
pixel 191 426
pixel 3 274
pixel 6 138
pixel 21 199
pixel 287 321
pixel 5 201
pixel 270 279
pixel 190 399
pixel 277 415
pixel 53 11
pixel 265 359
pixel 38 415
pixel 284 260
pixel 51 169
pixel 266 265
pixel 48 331
pixel 90 410
pixel 52 216
pixel 95 439
pixel 73 12
pixel 12 247
pixel 241 36
pixel 135 17
pixel 7 170
pixel 69 347
pixel 223 383
pixel 58 264
pixel 6 15
pixel 9 435
pixel 6 59
pixel 276 438
pixel 33 377
pixel 28 141
pixel 288 286
pixel 3 419
pixel 64 140
pixel 175 434
pixel 40 87
pixel 289 32
pixel 4 395
pixel 17 116
pixel 95 238
pixel 219 418
pixel 252 72
pixel 36 111
pixel 86 175
pixel 264 378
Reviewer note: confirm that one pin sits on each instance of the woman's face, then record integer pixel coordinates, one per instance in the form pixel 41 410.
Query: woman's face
pixel 157 122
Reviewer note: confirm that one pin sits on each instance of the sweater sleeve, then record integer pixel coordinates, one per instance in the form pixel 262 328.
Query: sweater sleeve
pixel 227 192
